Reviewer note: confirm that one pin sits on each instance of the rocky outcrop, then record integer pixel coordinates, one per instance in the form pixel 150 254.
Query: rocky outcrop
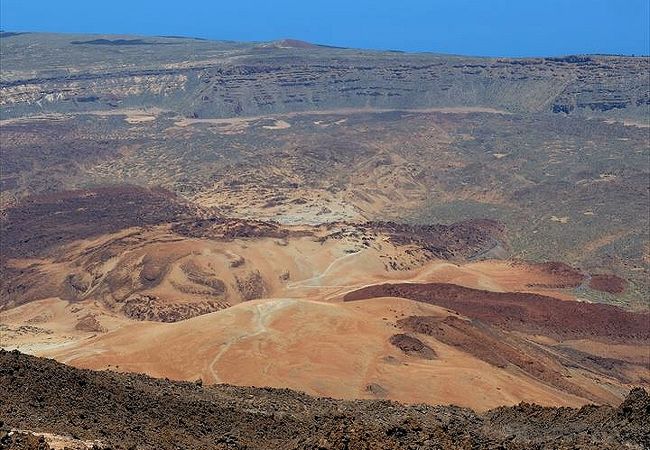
pixel 90 323
pixel 412 346
pixel 133 411
pixel 149 307
pixel 469 239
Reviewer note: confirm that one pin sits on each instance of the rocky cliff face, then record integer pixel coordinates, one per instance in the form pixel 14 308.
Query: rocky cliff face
pixel 213 79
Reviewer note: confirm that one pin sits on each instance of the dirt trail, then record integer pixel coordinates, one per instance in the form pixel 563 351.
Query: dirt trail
pixel 317 278
pixel 262 313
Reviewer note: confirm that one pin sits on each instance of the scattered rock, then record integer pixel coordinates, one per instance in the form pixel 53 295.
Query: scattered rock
pixel 251 286
pixel 135 411
pixel 377 390
pixel 412 346
pixel 90 323
pixel 149 307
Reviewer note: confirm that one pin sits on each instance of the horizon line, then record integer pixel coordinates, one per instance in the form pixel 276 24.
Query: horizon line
pixel 323 45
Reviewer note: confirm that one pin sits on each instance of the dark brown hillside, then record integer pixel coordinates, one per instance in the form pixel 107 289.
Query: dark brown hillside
pixel 522 311
pixel 133 411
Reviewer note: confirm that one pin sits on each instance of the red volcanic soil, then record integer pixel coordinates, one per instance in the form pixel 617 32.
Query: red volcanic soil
pixel 494 347
pixel 608 283
pixel 564 275
pixel 482 343
pixel 519 311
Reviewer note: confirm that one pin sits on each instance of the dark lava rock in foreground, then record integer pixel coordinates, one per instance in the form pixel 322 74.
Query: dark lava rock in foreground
pixel 135 411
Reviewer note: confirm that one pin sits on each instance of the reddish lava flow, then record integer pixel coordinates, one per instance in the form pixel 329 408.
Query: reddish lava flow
pixel 520 311
pixel 608 283
pixel 564 275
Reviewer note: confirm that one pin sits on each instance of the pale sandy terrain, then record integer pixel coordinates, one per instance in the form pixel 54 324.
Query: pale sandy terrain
pixel 302 336
pixel 298 333
pixel 174 269
pixel 335 350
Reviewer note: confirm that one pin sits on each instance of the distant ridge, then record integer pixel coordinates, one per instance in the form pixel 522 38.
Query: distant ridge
pixel 289 43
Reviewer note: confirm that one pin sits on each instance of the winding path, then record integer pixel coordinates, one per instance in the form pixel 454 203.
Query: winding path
pixel 261 314
pixel 317 278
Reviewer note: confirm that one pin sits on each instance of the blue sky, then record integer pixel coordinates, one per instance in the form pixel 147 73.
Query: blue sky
pixel 473 27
